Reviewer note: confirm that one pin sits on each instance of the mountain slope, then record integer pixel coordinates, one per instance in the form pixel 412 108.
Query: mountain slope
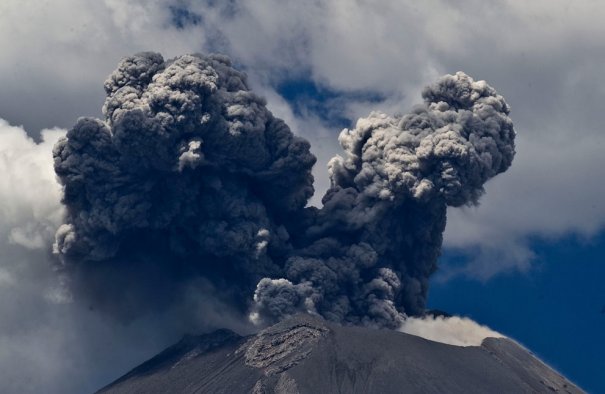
pixel 305 354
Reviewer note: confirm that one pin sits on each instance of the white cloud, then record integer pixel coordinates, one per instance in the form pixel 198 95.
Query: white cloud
pixel 552 190
pixel 30 209
pixel 56 55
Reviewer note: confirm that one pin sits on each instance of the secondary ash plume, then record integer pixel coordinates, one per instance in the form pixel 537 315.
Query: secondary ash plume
pixel 371 248
pixel 189 176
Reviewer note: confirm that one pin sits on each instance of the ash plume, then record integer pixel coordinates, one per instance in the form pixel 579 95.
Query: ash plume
pixel 375 242
pixel 190 176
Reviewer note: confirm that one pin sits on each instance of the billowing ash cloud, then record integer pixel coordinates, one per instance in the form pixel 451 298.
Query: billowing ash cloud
pixel 190 176
pixel 375 242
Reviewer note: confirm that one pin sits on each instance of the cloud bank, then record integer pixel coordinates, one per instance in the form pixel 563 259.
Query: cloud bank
pixel 389 49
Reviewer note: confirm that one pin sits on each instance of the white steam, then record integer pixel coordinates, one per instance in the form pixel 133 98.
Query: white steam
pixel 454 330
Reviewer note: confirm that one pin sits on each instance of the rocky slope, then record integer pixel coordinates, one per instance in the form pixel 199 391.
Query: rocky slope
pixel 308 355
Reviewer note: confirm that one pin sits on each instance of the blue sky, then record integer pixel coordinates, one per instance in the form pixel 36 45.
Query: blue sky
pixel 557 310
pixel 527 261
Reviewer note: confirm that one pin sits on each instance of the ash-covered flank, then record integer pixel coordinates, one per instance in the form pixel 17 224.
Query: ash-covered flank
pixel 306 354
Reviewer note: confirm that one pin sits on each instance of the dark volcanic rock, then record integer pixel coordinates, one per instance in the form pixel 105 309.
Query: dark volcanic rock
pixel 308 355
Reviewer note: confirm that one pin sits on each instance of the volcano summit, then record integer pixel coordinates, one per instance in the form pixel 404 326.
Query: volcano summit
pixel 306 354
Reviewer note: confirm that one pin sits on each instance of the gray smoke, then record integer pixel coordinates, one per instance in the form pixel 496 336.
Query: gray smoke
pixel 190 176
pixel 375 242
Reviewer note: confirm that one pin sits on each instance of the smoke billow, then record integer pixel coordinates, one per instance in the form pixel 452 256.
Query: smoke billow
pixel 190 176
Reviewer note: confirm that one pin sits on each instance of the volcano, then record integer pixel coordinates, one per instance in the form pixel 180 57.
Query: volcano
pixel 305 354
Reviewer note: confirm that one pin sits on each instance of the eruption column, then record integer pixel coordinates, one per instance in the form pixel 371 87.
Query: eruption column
pixel 190 176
